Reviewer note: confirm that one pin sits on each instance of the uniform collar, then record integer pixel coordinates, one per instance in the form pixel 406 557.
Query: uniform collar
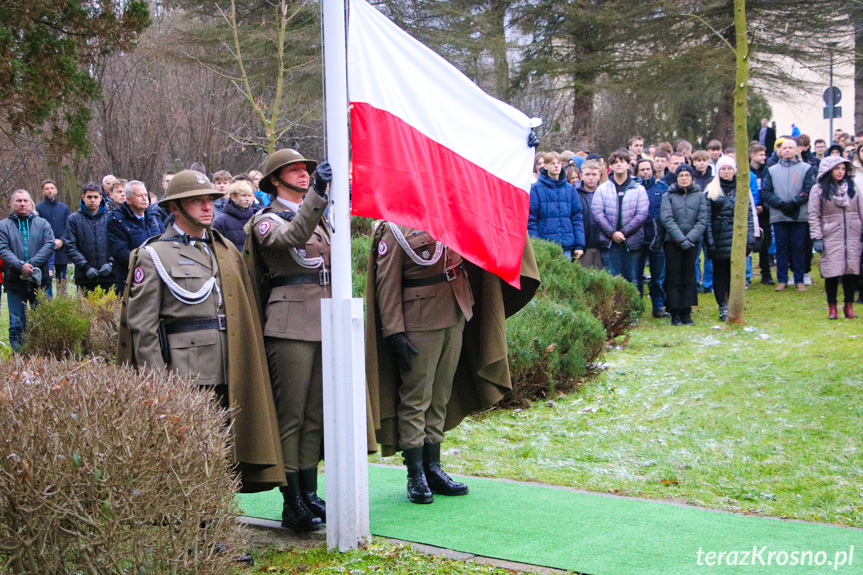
pixel 293 206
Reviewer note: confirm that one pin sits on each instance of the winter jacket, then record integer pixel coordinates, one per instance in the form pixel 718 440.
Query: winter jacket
pixel 759 174
pixel 684 214
pixel 605 211
pixel 655 190
pixel 720 231
pixel 231 223
pixel 591 230
pixel 126 231
pixel 839 227
pixel 787 185
pixel 25 240
pixel 262 199
pixel 701 180
pixel 555 212
pixel 87 242
pixel 56 213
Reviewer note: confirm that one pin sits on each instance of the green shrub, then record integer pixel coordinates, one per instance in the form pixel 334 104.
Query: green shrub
pixel 360 247
pixel 108 470
pixel 73 325
pixel 613 300
pixel 551 347
pixel 57 327
pixel 104 311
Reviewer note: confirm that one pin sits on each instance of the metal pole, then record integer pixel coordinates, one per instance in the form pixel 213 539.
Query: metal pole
pixel 830 103
pixel 342 320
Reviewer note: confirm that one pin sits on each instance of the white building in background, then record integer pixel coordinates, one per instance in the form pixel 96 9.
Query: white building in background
pixel 805 109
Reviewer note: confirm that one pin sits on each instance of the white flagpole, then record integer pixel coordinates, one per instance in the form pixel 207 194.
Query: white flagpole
pixel 347 484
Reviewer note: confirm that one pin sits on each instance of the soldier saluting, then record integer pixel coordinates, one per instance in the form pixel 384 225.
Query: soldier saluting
pixel 189 307
pixel 288 252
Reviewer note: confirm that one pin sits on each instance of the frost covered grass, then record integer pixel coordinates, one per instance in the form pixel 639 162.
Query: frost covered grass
pixel 379 557
pixel 765 418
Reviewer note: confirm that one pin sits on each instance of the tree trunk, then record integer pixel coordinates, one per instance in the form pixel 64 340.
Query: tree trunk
pixel 857 21
pixel 724 128
pixel 737 297
pixel 497 35
pixel 582 117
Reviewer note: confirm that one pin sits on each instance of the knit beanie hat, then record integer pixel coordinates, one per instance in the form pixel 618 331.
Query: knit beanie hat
pixel 726 161
pixel 685 168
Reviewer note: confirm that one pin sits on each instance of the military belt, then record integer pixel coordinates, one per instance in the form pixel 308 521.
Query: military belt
pixel 220 323
pixel 448 275
pixel 320 278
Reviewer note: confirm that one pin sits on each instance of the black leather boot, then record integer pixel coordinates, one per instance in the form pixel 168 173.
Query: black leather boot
pixel 309 493
pixel 295 515
pixel 439 482
pixel 686 316
pixel 418 489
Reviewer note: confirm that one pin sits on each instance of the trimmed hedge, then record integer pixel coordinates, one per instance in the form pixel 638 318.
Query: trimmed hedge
pixel 112 471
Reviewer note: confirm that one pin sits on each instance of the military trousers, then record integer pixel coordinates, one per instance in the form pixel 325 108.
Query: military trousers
pixel 296 374
pixel 425 389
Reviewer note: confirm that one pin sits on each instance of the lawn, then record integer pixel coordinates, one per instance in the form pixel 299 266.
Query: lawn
pixel 762 419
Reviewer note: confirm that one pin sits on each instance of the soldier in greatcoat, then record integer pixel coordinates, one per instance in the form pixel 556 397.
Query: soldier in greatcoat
pixel 189 307
pixel 424 299
pixel 288 252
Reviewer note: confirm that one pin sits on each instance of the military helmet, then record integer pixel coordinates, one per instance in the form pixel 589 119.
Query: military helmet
pixel 188 184
pixel 278 161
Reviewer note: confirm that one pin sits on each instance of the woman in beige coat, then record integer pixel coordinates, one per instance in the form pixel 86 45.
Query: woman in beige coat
pixel 835 209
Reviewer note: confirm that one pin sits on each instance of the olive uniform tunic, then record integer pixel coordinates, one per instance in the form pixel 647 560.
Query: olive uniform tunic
pixel 293 248
pixel 423 291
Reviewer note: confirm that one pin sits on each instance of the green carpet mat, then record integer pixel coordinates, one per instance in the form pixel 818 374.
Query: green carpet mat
pixel 596 534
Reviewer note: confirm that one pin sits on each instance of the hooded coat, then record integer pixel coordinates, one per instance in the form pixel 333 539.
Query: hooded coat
pixel 556 212
pixel 482 377
pixel 839 226
pixel 256 449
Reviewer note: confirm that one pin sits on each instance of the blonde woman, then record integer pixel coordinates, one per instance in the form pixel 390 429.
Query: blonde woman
pixel 721 200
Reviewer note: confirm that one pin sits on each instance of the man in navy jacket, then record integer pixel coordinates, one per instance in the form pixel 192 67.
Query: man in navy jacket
pixel 129 226
pixel 56 213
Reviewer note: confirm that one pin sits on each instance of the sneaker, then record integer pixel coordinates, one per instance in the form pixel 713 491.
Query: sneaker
pixel 660 313
pixel 780 287
pixel 807 280
pixel 801 287
pixel 768 281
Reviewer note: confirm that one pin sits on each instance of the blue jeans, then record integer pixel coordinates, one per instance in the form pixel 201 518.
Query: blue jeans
pixel 567 254
pixel 59 276
pixel 748 269
pixel 656 260
pixel 621 261
pixel 17 316
pixel 790 245
pixel 708 268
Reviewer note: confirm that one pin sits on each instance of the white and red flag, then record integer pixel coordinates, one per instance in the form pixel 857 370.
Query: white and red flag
pixel 431 150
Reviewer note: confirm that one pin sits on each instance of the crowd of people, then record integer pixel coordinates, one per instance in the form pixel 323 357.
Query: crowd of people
pixel 38 242
pixel 664 215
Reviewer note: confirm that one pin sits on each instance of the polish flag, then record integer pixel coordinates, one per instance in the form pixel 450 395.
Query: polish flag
pixel 431 150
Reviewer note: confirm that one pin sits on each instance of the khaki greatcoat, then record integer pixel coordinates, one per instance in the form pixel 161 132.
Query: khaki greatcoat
pixel 235 357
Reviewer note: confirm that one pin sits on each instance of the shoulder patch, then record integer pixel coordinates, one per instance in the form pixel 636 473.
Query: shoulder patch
pixel 383 248
pixel 139 274
pixel 263 227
